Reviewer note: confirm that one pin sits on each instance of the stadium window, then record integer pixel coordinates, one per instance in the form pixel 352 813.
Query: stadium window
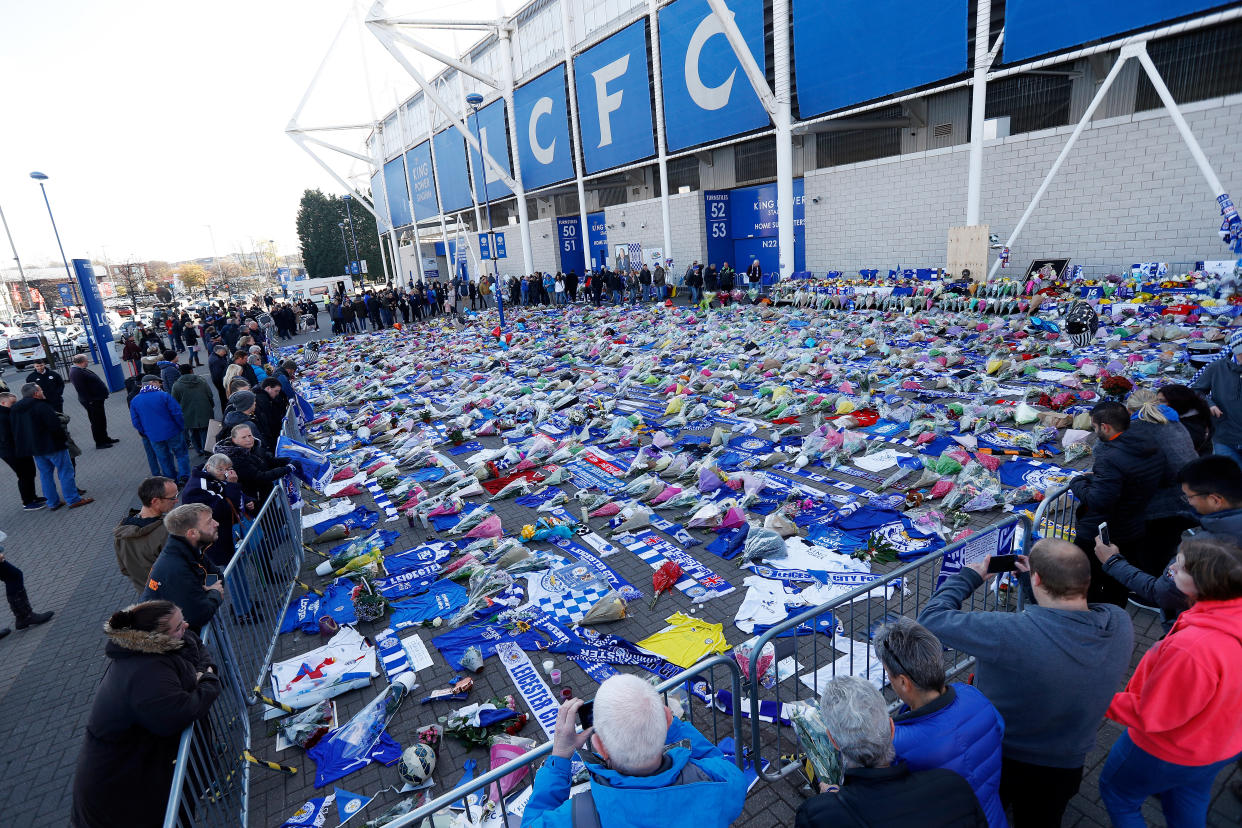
pixel 1195 66
pixel 1032 102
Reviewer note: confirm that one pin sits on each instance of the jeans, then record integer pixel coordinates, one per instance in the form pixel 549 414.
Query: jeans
pixel 1131 774
pixel 60 465
pixel 166 451
pixel 616 297
pixel 199 438
pixel 1227 451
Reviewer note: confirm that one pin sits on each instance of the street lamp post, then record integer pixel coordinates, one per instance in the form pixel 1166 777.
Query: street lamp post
pixel 473 100
pixel 20 270
pixel 350 215
pixel 344 246
pixel 60 349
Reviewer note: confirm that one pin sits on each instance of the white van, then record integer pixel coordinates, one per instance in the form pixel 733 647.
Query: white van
pixel 28 347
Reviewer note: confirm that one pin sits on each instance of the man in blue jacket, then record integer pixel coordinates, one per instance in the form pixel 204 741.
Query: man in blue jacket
pixel 953 727
pixel 646 767
pixel 157 417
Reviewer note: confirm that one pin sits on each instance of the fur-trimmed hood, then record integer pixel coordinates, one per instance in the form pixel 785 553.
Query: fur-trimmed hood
pixel 137 641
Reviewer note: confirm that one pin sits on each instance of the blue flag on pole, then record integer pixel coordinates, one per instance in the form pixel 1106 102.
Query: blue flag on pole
pixel 349 804
pixel 312 466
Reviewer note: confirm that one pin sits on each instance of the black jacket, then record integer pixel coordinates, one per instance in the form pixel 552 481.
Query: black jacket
pixel 179 575
pixel 227 502
pixel 7 449
pixel 36 427
pixel 233 417
pixel 893 797
pixel 149 694
pixel 217 365
pixel 1127 472
pixel 87 383
pixel 269 415
pixel 53 386
pixel 256 469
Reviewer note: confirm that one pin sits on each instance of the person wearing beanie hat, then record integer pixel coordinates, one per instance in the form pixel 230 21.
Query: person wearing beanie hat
pixel 240 410
pixel 1220 381
pixel 158 419
pixel 288 370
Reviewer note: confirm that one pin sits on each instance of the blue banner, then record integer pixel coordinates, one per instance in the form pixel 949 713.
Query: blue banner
pixel 706 93
pixel 1038 28
pixel 396 193
pixel 597 239
pixel 847 52
pixel 98 320
pixel 569 242
pixel 490 132
pixel 614 100
pixel 542 130
pixel 422 181
pixel 450 157
pixel 716 207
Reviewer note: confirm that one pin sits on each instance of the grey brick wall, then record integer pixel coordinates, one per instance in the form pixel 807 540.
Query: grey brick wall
pixel 1128 192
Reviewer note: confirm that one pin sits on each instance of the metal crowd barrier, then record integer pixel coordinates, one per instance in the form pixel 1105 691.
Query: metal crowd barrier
pixel 1057 514
pixel 211 779
pixel 679 686
pixel 857 615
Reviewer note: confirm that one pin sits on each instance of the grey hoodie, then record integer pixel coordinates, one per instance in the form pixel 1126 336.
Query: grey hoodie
pixel 1050 672
pixel 1222 380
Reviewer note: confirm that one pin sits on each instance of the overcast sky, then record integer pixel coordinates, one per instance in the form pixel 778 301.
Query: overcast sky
pixel 153 120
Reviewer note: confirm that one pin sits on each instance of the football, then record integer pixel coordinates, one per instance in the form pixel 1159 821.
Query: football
pixel 417 763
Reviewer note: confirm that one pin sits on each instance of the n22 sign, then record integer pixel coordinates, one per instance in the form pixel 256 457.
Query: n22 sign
pixel 706 93
pixel 614 99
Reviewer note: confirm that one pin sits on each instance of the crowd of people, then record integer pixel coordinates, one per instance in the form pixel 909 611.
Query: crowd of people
pixel 1159 524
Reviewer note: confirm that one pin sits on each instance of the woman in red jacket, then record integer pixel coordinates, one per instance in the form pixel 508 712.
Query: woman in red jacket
pixel 1181 706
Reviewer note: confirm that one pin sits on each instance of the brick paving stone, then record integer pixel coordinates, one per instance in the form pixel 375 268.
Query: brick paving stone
pixel 70 568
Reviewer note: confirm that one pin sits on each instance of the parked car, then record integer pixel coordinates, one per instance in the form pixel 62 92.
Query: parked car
pixel 25 349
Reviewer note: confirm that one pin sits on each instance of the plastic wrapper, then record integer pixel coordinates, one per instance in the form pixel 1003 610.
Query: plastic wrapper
pixel 1027 441
pixel 490 527
pixel 611 607
pixel 308 726
pixel 502 749
pixel 639 485
pixel 400 809
pixel 705 517
pixel 516 488
pixel 928 477
pixel 960 496
pixel 663 579
pixel 941 488
pixel 765 665
pixel 486 581
pixel 852 442
pixel 896 477
pixel 984 500
pixel 1022 494
pixel 813 737
pixel 606 510
pixel 1077 451
pixel 711 479
pixel 360 734
pixel 682 500
pixel 762 544
pixel 472 520
pixel 781 525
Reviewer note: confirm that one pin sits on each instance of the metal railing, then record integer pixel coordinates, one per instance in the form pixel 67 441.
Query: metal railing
pixel 856 615
pixel 679 686
pixel 211 778
pixel 1056 516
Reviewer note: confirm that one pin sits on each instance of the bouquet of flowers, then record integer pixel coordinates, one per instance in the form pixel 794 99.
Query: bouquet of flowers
pixel 813 736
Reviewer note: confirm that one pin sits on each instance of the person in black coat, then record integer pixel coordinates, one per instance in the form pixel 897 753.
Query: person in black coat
pixel 39 432
pixel 214 484
pixel 23 467
pixel 160 680
pixel 878 792
pixel 217 365
pixel 257 470
pixel 181 572
pixel 51 383
pixel 92 393
pixel 270 405
pixel 1129 468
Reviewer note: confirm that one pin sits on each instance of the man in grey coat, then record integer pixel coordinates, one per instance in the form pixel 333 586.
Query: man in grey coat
pixel 193 394
pixel 1051 670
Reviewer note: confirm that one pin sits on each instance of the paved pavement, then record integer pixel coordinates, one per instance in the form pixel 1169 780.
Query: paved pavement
pixel 48 674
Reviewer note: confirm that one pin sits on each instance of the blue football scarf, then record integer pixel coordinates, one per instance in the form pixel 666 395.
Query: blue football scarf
pixel 607 648
pixel 585 556
pixel 422 555
pixel 729 542
pixel 409 582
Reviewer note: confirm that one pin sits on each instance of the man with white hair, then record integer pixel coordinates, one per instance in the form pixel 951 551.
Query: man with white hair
pixel 647 768
pixel 878 793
